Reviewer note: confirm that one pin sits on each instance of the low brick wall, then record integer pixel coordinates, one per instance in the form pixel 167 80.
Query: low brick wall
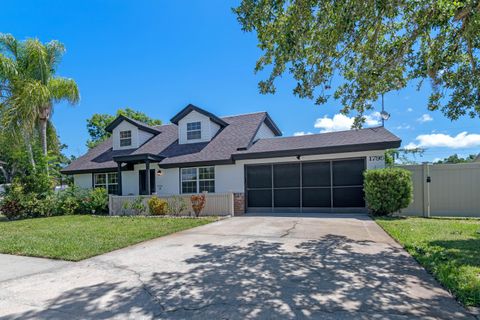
pixel 238 204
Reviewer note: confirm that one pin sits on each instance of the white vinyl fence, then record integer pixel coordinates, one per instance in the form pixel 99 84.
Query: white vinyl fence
pixel 453 190
pixel 216 204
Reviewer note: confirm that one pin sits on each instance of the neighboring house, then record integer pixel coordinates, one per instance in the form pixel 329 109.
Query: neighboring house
pixel 242 154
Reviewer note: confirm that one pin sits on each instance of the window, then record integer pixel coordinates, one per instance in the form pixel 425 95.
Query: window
pixel 194 130
pixel 197 180
pixel 108 181
pixel 125 138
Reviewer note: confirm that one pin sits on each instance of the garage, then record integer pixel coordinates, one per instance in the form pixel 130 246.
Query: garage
pixel 308 186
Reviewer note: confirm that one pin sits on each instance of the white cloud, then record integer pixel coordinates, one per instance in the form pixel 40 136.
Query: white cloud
pixel 302 133
pixel 373 119
pixel 461 140
pixel 409 109
pixel 403 127
pixel 341 122
pixel 425 118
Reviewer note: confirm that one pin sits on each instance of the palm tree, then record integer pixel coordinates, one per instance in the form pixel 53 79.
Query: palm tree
pixel 29 87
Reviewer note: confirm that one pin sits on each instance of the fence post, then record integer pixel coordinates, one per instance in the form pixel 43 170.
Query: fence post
pixel 426 190
pixel 110 203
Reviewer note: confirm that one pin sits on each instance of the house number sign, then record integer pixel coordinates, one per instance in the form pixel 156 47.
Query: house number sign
pixel 376 158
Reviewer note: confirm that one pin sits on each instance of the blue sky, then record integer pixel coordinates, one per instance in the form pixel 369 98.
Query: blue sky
pixel 158 56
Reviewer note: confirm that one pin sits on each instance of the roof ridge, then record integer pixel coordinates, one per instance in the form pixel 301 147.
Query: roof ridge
pixel 243 114
pixel 323 133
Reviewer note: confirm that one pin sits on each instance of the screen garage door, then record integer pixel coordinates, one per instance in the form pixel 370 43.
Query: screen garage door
pixel 310 185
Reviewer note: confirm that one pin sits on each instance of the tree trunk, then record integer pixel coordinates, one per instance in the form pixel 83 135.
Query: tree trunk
pixel 30 154
pixel 43 136
pixel 44 117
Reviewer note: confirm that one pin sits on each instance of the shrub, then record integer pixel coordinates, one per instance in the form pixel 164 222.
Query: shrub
pixel 198 203
pixel 136 205
pixel 11 205
pixel 36 205
pixel 97 200
pixel 17 203
pixel 157 206
pixel 70 201
pixel 176 205
pixel 388 190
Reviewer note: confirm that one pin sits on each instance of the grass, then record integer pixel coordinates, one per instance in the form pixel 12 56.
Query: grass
pixel 448 248
pixel 79 237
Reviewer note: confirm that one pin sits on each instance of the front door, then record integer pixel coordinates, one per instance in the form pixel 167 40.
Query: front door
pixel 142 181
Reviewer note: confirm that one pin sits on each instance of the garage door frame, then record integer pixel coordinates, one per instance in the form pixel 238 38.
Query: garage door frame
pixel 301 209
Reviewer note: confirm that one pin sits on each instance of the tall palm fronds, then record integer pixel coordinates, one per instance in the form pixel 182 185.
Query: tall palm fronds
pixel 29 87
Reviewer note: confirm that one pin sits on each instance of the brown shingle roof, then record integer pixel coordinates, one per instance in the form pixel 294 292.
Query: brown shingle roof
pixel 238 133
pixel 230 143
pixel 332 142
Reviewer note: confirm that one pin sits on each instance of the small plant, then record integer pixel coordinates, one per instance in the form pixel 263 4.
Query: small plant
pixel 198 203
pixel 137 206
pixel 157 206
pixel 11 206
pixel 97 200
pixel 388 190
pixel 176 205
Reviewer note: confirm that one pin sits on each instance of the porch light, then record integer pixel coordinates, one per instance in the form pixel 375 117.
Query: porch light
pixel 159 172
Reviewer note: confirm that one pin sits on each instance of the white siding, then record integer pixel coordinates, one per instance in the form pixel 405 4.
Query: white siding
pixel 209 128
pixel 130 182
pixel 139 137
pixel 264 132
pixel 228 178
pixel 169 182
pixel 83 181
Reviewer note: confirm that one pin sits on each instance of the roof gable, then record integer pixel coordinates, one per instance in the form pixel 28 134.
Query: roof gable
pixel 142 126
pixel 179 116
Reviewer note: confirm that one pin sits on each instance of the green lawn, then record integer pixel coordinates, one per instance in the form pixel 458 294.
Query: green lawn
pixel 78 237
pixel 448 248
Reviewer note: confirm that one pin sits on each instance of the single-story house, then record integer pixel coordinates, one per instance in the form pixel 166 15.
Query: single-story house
pixel 242 154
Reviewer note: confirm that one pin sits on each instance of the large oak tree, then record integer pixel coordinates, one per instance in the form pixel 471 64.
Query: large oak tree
pixel 373 46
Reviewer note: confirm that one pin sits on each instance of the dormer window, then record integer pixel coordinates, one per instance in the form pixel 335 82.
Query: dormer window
pixel 194 130
pixel 125 138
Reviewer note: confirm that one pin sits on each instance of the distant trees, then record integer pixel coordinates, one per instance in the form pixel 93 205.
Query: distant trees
pixel 98 122
pixel 454 158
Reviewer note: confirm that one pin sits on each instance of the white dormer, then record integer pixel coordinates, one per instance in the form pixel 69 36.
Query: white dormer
pixel 196 125
pixel 129 134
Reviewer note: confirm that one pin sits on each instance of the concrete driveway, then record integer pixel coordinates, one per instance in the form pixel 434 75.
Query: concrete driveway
pixel 334 266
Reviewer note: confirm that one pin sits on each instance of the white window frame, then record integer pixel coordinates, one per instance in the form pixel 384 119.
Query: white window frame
pixel 128 138
pixel 107 181
pixel 197 180
pixel 196 130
